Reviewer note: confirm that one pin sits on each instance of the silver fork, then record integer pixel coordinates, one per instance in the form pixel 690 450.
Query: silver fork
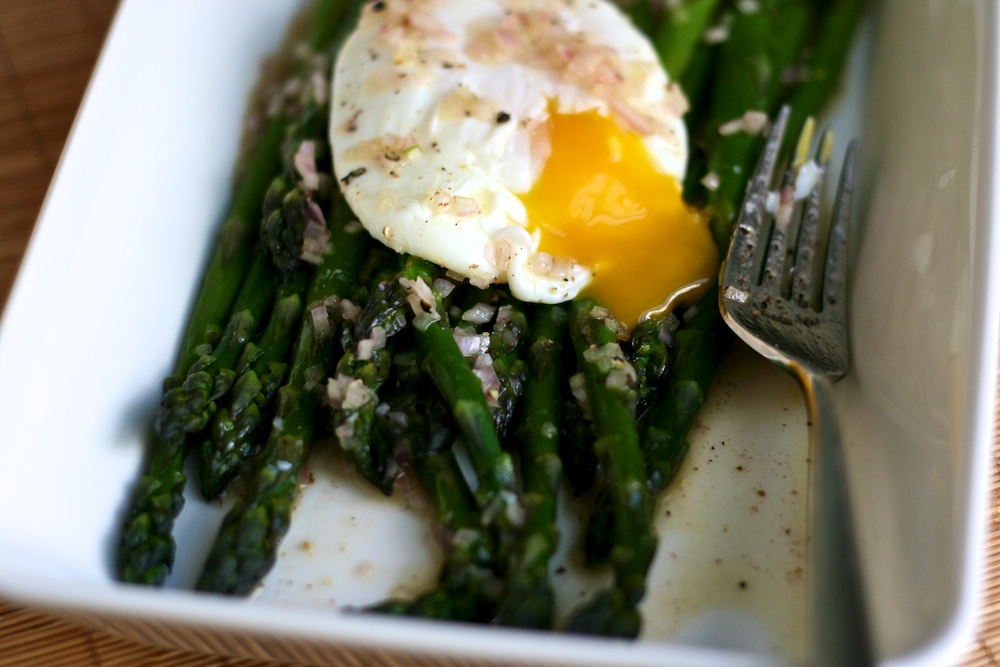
pixel 787 303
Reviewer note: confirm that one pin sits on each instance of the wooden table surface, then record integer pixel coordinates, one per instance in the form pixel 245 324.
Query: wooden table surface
pixel 48 49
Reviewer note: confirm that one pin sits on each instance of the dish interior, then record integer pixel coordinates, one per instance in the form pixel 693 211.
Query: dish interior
pixel 93 324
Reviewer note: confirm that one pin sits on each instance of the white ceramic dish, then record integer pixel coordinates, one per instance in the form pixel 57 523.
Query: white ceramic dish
pixel 93 323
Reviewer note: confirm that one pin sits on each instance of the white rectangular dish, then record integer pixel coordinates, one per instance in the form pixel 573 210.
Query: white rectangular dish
pixel 95 317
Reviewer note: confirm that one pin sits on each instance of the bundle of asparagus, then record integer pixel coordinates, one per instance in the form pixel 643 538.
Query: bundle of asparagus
pixel 305 328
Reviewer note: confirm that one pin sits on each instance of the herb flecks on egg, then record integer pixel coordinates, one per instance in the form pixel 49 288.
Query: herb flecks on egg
pixel 537 144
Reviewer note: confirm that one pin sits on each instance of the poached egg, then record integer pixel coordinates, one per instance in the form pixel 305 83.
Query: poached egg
pixel 534 143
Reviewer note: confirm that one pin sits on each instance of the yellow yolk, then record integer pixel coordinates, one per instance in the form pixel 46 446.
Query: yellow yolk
pixel 601 202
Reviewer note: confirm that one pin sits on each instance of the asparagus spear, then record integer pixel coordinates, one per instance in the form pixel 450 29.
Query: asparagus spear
pixel 609 379
pixel 529 600
pixel 669 418
pixel 462 391
pixel 234 250
pixel 287 214
pixel 576 443
pixel 365 366
pixel 468 586
pixel 245 548
pixel 506 341
pixel 353 414
pixel 761 46
pixel 649 354
pixel 260 371
pixel 293 231
pixel 682 28
pixel 823 68
pixel 146 547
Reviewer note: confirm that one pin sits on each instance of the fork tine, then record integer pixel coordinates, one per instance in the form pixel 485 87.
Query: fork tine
pixel 805 290
pixel 835 277
pixel 763 175
pixel 783 232
pixel 742 252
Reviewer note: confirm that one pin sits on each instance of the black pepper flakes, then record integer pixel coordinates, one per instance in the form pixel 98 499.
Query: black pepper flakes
pixel 502 117
pixel 360 171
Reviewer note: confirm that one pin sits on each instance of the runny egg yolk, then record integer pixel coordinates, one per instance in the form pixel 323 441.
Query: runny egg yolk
pixel 601 202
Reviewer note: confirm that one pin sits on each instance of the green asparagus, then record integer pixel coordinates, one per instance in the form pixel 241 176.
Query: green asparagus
pixel 609 386
pixel 244 550
pixel 669 418
pixel 260 371
pixel 462 390
pixel 684 24
pixel 529 600
pixel 146 548
pixel 469 584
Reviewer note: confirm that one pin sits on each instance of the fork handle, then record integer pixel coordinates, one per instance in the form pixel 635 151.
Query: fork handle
pixel 841 634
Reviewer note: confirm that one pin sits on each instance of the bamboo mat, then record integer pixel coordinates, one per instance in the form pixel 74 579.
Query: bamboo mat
pixel 47 51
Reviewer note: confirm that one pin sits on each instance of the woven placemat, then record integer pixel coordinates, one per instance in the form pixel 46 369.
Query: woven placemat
pixel 47 51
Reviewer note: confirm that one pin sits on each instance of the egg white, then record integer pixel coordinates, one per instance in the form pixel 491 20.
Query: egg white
pixel 433 140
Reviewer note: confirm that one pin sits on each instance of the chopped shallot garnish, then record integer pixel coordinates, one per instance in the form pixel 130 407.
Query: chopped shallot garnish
pixel 345 392
pixel 320 318
pixel 505 313
pixel 481 313
pixel 752 122
pixel 487 374
pixel 421 298
pixel 710 181
pixel 578 387
pixel 349 310
pixel 305 165
pixel 314 236
pixel 320 87
pixel 443 287
pixel 367 347
pixel 440 201
pixel 716 34
pixel 465 206
pixel 470 343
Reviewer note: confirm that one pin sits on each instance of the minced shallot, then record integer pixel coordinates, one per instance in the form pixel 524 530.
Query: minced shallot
pixel 481 313
pixel 320 318
pixel 441 202
pixel 367 347
pixel 305 165
pixel 487 374
pixel 751 122
pixel 710 181
pixel 346 393
pixel 422 301
pixel 471 344
pixel 315 235
pixel 349 310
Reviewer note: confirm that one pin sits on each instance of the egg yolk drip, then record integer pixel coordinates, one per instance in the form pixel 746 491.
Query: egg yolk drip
pixel 601 201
